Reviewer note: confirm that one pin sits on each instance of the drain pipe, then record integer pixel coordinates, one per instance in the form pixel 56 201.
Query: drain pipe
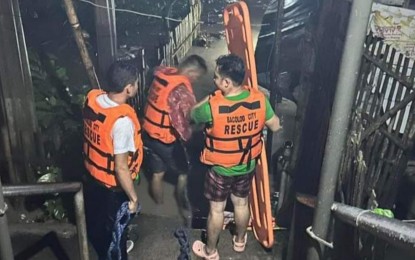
pixel 6 251
pixel 343 101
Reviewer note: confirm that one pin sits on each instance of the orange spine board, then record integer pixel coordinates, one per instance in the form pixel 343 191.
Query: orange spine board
pixel 239 39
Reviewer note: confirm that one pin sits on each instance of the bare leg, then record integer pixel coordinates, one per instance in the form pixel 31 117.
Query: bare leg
pixel 156 187
pixel 181 187
pixel 214 224
pixel 242 215
pixel 182 199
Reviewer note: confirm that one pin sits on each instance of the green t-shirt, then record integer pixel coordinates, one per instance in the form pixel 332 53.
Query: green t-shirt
pixel 203 115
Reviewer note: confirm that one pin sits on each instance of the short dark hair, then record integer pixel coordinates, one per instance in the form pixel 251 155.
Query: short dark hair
pixel 120 74
pixel 231 66
pixel 193 61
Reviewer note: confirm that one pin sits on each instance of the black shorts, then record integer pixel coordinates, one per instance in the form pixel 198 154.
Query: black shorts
pixel 160 157
pixel 218 187
pixel 101 207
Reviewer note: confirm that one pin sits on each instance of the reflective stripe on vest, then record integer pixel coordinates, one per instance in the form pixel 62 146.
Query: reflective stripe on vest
pixel 234 137
pixel 98 149
pixel 157 121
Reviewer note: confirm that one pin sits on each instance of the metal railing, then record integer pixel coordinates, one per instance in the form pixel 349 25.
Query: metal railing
pixel 393 231
pixel 52 188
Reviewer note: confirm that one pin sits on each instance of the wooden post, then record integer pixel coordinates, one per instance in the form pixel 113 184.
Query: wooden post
pixel 18 120
pixel 106 35
pixel 86 60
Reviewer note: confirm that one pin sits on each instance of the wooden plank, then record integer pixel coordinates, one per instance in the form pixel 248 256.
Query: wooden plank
pixel 17 93
pixel 391 188
pixel 373 72
pixel 384 86
pixel 383 118
pixel 400 95
pixel 412 74
pixel 398 142
pixel 182 36
pixel 377 140
pixel 378 98
pixel 362 83
pixel 391 159
pixel 395 81
pixel 379 163
pixel 407 136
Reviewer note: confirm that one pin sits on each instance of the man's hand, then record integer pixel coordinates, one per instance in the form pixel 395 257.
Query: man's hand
pixel 122 172
pixel 133 206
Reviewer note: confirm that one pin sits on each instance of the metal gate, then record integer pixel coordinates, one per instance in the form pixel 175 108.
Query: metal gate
pixel 381 129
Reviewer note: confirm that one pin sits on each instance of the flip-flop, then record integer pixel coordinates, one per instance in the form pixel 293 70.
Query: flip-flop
pixel 199 249
pixel 239 246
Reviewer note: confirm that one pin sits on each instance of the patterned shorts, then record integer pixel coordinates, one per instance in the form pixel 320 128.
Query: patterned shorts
pixel 218 187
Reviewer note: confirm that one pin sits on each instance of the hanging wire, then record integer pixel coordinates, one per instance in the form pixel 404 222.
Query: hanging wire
pixel 121 10
pixel 130 11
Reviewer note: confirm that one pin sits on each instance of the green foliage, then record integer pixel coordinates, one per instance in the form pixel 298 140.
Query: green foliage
pixel 58 110
pixel 53 207
pixel 58 105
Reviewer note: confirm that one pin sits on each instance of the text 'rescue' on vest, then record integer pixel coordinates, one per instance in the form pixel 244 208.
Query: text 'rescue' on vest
pixel 235 136
pixel 98 149
pixel 157 120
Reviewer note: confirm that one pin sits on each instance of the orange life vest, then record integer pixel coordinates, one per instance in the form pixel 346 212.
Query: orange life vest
pixel 234 137
pixel 98 149
pixel 157 120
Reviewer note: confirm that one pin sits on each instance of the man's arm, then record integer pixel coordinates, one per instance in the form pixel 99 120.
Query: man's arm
pixel 201 102
pixel 273 124
pixel 123 141
pixel 181 102
pixel 122 173
pixel 271 120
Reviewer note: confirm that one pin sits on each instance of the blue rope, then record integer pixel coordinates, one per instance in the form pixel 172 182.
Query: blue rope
pixel 183 239
pixel 121 222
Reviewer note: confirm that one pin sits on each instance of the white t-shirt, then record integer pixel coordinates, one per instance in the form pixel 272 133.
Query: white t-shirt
pixel 122 132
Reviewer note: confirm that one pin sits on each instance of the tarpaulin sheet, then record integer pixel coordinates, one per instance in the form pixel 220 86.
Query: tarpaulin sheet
pixel 297 14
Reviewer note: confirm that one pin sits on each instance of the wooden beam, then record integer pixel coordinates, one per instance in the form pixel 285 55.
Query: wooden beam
pixel 17 95
pixel 76 28
pixel 106 35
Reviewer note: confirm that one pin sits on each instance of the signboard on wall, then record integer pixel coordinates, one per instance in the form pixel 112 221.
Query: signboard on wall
pixel 396 26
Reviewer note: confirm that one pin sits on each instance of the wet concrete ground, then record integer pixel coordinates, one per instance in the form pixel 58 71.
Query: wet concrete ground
pixel 149 245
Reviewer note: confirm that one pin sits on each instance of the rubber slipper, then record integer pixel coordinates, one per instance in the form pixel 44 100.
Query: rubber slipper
pixel 239 246
pixel 199 249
